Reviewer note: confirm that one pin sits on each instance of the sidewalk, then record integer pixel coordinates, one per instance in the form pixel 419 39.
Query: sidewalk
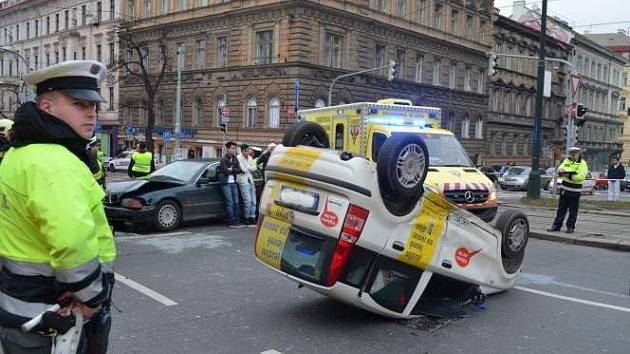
pixel 605 229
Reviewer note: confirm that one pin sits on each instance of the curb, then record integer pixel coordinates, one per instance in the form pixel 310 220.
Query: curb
pixel 525 206
pixel 590 241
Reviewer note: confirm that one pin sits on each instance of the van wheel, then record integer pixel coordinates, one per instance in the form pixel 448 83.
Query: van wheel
pixel 402 166
pixel 306 133
pixel 514 227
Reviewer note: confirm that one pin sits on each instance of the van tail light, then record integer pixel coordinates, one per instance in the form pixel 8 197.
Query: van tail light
pixel 356 218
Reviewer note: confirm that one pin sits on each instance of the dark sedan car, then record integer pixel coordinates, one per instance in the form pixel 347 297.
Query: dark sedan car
pixel 183 190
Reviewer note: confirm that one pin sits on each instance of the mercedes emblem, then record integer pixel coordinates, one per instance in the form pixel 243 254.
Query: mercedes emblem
pixel 469 197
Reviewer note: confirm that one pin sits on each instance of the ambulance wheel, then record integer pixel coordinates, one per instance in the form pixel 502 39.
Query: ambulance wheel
pixel 168 215
pixel 306 133
pixel 514 227
pixel 402 166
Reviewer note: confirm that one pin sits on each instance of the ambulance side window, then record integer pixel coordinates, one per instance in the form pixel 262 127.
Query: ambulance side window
pixel 339 137
pixel 377 141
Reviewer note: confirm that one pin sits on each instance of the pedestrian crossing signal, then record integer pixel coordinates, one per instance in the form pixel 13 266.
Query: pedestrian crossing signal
pixel 391 70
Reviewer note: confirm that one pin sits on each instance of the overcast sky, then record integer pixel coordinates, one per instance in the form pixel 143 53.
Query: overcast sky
pixel 579 13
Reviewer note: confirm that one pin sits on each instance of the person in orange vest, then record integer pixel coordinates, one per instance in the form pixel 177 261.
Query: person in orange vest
pixel 141 163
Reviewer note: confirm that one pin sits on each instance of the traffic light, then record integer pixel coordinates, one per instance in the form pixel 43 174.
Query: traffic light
pixel 391 70
pixel 223 127
pixel 492 64
pixel 580 114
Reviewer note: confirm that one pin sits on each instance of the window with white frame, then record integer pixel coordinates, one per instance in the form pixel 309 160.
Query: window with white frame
pixel 469 26
pixel 200 54
pixel 264 47
pixel 465 127
pixel 161 112
pixel 437 16
pixel 180 54
pixel 481 83
pixel 145 57
pixel 222 52
pixel 147 8
pixel 165 7
pixel 452 75
pixel 454 21
pixel 251 112
pixel 436 71
pixel 198 110
pixel 183 4
pixel 202 2
pixel 402 8
pixel 418 67
pixel 274 112
pixel 333 50
pixel 467 73
pixel 400 64
pixel 479 128
pixel 421 12
pixel 111 98
pixel 131 8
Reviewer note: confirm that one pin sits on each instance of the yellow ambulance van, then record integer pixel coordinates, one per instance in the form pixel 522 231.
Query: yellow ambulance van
pixel 362 128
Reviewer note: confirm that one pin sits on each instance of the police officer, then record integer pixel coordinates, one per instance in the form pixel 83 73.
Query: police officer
pixel 141 163
pixel 573 171
pixel 95 157
pixel 5 136
pixel 55 242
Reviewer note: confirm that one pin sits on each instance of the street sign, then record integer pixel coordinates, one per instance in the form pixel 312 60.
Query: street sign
pixel 166 135
pixel 225 111
pixel 576 80
pixel 547 87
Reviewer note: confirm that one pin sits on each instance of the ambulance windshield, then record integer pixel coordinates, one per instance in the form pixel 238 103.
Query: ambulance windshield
pixel 445 150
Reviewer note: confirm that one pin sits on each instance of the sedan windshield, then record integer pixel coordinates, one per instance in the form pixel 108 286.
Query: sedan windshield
pixel 516 171
pixel 179 170
pixel 444 150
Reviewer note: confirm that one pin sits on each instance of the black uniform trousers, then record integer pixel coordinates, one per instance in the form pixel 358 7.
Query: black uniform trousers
pixel 571 201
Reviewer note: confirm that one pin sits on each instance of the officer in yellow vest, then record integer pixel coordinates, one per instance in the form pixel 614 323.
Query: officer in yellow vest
pixel 141 163
pixel 55 242
pixel 95 156
pixel 573 171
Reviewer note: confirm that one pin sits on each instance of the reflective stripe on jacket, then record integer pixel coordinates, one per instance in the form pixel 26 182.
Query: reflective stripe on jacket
pixel 54 236
pixel 142 162
pixel 578 171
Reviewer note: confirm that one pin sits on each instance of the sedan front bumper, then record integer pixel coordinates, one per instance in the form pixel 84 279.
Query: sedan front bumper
pixel 120 214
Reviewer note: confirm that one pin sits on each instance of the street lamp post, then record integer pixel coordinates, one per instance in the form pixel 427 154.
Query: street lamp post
pixel 533 187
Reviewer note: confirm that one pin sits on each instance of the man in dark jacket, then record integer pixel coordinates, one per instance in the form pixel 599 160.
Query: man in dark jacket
pixel 228 170
pixel 616 173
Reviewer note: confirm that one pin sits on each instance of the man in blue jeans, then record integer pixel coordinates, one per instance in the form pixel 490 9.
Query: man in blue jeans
pixel 246 184
pixel 228 170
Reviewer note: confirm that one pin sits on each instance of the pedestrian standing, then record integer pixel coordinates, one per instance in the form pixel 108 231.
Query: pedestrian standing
pixel 55 243
pixel 246 184
pixel 5 136
pixel 95 159
pixel 141 163
pixel 573 171
pixel 229 168
pixel 616 173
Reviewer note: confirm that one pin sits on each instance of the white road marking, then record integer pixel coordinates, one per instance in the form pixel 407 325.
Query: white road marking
pixel 544 279
pixel 573 299
pixel 141 236
pixel 271 351
pixel 146 291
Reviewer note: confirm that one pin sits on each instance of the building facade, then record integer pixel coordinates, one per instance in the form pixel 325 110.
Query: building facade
pixel 512 92
pixel 602 72
pixel 619 43
pixel 250 56
pixel 37 34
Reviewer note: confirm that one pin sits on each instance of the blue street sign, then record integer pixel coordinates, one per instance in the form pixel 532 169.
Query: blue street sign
pixel 166 135
pixel 296 102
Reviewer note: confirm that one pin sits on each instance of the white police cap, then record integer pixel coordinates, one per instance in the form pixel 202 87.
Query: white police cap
pixel 76 78
pixel 574 149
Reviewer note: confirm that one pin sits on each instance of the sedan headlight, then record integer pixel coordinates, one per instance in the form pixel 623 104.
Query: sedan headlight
pixel 131 203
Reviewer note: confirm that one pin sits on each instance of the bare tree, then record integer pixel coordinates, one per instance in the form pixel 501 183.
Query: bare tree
pixel 133 62
pixel 12 90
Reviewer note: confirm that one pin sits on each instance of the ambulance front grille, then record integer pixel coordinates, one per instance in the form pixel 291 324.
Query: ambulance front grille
pixel 467 196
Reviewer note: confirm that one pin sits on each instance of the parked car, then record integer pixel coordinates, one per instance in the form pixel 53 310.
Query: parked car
pixel 546 177
pixel 120 162
pixel 517 178
pixel 600 181
pixel 180 191
pixel 375 236
pixel 490 173
pixel 588 187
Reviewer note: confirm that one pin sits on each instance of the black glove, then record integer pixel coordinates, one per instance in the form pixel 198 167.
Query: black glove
pixel 53 323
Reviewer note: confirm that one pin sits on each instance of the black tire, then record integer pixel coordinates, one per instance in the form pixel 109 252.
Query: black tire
pixel 402 167
pixel 168 215
pixel 514 228
pixel 308 134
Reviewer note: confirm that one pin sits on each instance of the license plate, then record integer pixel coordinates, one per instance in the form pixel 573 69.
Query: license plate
pixel 299 200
